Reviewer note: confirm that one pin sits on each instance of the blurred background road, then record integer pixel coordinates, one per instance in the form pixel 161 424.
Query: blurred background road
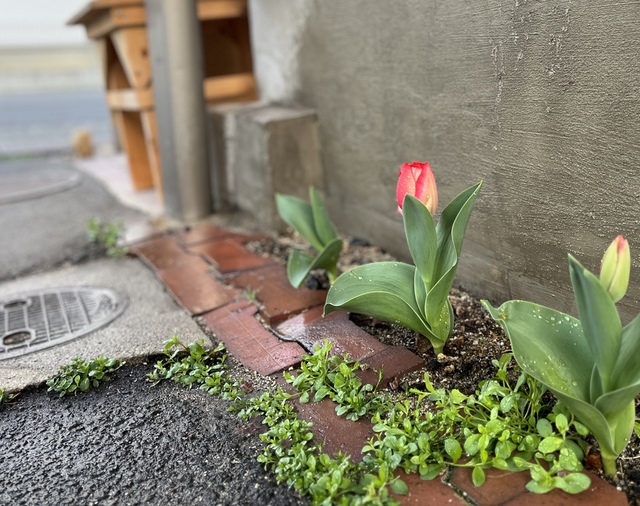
pixel 50 80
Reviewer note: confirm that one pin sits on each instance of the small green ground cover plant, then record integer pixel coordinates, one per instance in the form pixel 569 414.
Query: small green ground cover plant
pixel 107 236
pixel 81 375
pixel 505 425
pixel 5 397
pixel 194 365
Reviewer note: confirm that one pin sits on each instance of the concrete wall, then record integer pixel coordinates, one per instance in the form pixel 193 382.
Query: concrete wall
pixel 540 99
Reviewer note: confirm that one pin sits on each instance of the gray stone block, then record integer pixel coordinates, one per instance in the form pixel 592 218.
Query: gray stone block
pixel 261 150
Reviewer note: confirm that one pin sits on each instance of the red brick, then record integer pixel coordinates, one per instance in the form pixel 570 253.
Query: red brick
pixel 508 488
pixel 203 233
pixel 500 487
pixel 600 492
pixel 334 432
pixel 162 253
pixel 427 492
pixel 311 329
pixel 194 288
pixel 279 299
pixel 247 340
pixel 229 256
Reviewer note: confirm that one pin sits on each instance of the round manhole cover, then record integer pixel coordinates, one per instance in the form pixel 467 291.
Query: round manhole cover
pixel 40 319
pixel 20 183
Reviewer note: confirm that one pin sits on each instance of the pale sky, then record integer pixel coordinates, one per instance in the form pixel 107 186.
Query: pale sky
pixel 40 22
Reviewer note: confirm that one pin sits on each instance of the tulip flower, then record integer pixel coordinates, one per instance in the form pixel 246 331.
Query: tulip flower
pixel 616 266
pixel 417 179
pixel 589 363
pixel 416 296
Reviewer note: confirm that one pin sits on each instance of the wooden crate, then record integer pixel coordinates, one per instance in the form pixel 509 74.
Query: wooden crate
pixel 119 27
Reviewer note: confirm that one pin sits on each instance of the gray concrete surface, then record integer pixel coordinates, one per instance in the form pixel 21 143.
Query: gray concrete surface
pixel 151 318
pixel 539 99
pixel 41 233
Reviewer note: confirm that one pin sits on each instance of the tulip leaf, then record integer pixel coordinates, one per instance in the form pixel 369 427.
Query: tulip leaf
pixel 383 290
pixel 299 215
pixel 324 227
pixel 548 345
pixel 300 264
pixel 421 236
pixel 450 234
pixel 627 371
pixel 450 230
pixel 599 317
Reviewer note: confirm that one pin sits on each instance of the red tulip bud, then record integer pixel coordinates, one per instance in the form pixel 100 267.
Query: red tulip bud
pixel 417 179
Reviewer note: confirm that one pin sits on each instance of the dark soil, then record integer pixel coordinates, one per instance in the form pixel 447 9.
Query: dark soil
pixel 467 357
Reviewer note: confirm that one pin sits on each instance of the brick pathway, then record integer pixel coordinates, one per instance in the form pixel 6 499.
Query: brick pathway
pixel 209 273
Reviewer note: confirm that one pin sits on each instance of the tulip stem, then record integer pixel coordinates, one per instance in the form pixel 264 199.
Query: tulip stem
pixel 609 464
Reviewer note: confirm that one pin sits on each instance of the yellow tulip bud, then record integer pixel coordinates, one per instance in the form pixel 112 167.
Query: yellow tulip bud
pixel 616 266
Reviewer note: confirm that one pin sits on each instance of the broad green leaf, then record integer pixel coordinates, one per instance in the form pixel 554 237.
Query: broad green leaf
pixel 599 317
pixel 383 290
pixel 421 236
pixel 450 234
pixel 450 229
pixel 548 345
pixel 627 370
pixel 325 230
pixel 299 215
pixel 300 264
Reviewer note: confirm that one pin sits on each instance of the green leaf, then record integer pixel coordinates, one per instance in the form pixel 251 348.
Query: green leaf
pixel 573 483
pixel 452 447
pixel 627 370
pixel 399 487
pixel 431 472
pixel 477 476
pixel 544 427
pixel 550 444
pixel 299 215
pixel 383 290
pixel 548 345
pixel 420 231
pixel 599 317
pixel 325 230
pixel 300 264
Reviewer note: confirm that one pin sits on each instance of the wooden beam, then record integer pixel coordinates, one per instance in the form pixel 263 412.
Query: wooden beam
pixel 234 86
pixel 130 100
pixel 221 9
pixel 106 21
pixel 133 52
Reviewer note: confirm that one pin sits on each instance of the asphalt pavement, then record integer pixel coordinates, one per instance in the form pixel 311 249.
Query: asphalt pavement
pixel 127 442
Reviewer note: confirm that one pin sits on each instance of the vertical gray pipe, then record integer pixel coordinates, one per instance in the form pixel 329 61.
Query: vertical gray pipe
pixel 175 45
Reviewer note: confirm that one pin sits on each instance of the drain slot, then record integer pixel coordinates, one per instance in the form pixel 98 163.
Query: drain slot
pixel 37 320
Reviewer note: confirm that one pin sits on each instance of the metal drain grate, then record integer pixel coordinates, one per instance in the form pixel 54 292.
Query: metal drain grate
pixel 40 319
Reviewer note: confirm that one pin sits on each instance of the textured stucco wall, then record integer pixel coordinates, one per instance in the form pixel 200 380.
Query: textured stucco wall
pixel 541 99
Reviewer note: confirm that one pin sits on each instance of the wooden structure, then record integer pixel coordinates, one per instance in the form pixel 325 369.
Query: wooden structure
pixel 119 27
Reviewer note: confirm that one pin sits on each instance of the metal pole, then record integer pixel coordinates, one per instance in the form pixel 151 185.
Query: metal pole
pixel 177 65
